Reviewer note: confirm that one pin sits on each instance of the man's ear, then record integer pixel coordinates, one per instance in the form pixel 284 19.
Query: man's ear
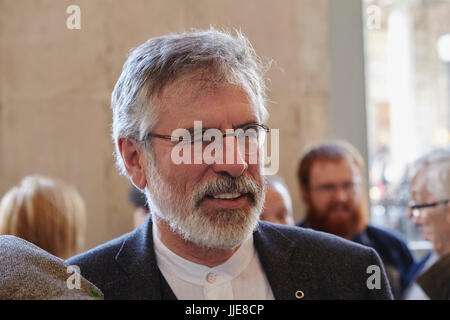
pixel 134 160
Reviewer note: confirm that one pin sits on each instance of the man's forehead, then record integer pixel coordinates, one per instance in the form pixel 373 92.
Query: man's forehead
pixel 184 102
pixel 418 186
pixel 330 170
pixel 421 194
pixel 188 89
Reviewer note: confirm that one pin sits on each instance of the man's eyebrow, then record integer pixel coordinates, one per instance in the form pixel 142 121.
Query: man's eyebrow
pixel 191 129
pixel 246 124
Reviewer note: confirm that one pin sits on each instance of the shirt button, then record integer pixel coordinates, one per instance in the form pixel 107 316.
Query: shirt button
pixel 210 277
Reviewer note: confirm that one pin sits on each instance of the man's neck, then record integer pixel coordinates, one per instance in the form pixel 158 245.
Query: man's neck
pixel 188 250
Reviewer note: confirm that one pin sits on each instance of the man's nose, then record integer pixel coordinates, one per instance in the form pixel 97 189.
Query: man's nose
pixel 234 162
pixel 341 194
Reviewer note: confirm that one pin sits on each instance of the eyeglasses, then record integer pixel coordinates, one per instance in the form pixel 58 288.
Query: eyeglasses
pixel 251 137
pixel 415 208
pixel 328 189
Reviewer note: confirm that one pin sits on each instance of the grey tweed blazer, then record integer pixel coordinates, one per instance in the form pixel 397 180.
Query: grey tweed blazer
pixel 294 259
pixel 29 273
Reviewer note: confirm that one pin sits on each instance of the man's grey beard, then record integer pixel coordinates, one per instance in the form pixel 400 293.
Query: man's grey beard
pixel 221 229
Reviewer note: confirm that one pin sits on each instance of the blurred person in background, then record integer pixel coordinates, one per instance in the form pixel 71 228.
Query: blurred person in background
pixel 278 203
pixel 333 188
pixel 138 200
pixel 46 212
pixel 429 178
pixel 418 169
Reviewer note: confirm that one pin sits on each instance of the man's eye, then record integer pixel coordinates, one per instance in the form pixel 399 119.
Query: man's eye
pixel 349 185
pixel 251 133
pixel 247 132
pixel 202 139
pixel 250 128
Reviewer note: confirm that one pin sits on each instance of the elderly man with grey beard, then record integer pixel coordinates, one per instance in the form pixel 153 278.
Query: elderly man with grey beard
pixel 203 239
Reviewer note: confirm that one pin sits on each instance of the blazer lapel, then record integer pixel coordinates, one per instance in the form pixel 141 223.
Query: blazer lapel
pixel 289 277
pixel 280 258
pixel 137 258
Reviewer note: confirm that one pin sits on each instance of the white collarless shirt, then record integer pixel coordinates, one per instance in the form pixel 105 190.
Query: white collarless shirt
pixel 240 278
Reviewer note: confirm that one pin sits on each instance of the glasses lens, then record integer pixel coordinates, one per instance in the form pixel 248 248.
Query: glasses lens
pixel 249 141
pixel 262 135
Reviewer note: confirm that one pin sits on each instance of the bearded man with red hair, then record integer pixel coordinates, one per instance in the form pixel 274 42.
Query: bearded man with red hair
pixel 332 186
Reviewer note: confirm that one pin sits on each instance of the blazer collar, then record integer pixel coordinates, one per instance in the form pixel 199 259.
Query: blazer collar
pixel 287 268
pixel 137 258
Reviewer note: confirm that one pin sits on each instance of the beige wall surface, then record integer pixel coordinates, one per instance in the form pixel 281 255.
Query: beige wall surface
pixel 55 86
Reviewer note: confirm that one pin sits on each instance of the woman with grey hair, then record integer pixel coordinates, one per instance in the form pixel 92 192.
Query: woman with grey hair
pixel 433 206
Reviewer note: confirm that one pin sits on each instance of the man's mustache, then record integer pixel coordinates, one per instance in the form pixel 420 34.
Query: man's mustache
pixel 339 206
pixel 227 184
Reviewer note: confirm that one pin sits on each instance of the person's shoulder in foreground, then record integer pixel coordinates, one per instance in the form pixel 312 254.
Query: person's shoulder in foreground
pixel 299 263
pixel 29 273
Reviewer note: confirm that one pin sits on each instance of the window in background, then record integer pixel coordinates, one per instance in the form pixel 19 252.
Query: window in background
pixel 407 57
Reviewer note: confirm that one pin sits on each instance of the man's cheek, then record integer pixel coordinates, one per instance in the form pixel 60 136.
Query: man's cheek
pixel 322 211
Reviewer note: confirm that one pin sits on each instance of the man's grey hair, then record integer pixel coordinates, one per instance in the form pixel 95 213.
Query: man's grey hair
pixel 437 180
pixel 163 60
pixel 433 157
